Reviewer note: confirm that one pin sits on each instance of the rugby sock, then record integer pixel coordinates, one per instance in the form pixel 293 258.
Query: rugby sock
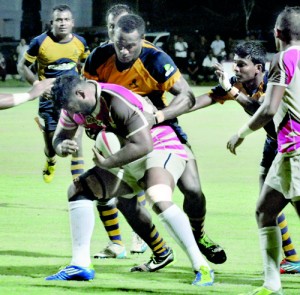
pixel 141 198
pixel 77 166
pixel 197 225
pixel 109 215
pixel 82 221
pixel 287 245
pixel 51 160
pixel 270 244
pixel 178 226
pixel 157 243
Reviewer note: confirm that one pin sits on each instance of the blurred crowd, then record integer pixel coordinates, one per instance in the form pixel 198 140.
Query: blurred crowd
pixel 194 59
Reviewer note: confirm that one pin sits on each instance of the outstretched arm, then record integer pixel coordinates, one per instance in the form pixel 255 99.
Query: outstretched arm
pixel 8 100
pixel 182 101
pixel 263 115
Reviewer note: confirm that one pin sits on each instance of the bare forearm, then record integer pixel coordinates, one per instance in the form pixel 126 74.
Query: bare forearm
pixel 29 75
pixel 129 153
pixel 179 105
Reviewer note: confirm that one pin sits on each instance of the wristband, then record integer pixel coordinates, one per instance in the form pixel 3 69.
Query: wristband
pixel 19 98
pixel 244 131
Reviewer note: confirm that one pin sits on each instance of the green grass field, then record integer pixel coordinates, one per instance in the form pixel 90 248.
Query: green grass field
pixel 34 225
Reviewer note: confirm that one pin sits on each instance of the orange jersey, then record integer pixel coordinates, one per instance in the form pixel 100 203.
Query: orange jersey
pixel 153 73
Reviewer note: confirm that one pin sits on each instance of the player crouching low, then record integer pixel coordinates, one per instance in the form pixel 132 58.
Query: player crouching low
pixel 149 160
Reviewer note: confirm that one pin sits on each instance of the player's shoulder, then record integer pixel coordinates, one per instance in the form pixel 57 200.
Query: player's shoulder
pixel 80 38
pixel 40 38
pixel 102 53
pixel 154 57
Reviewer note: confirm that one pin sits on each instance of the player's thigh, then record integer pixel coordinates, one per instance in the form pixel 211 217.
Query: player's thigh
pixel 270 203
pixel 163 168
pixel 100 184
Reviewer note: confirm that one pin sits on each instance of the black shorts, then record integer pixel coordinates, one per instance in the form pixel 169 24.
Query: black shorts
pixel 269 153
pixel 49 114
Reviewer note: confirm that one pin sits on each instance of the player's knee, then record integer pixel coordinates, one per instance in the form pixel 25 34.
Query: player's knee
pixel 159 193
pixel 76 194
pixel 265 219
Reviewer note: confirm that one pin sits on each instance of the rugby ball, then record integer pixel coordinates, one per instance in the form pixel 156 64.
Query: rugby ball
pixel 107 143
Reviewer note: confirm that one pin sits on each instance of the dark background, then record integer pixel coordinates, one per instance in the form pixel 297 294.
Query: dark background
pixel 190 18
pixel 211 17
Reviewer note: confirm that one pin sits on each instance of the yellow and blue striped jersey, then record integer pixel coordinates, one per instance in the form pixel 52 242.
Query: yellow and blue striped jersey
pixel 56 58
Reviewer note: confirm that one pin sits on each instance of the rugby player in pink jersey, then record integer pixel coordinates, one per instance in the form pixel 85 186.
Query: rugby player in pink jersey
pixel 282 184
pixel 152 159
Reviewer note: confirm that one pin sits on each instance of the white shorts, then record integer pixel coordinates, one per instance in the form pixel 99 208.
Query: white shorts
pixel 284 175
pixel 135 171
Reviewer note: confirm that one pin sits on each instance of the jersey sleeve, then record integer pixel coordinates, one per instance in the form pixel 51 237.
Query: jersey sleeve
pixel 95 60
pixel 33 50
pixel 66 122
pixel 161 67
pixel 281 69
pixel 86 50
pixel 128 119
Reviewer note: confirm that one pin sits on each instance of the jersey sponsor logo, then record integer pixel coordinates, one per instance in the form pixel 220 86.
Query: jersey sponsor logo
pixel 93 120
pixel 133 83
pixel 63 67
pixel 169 69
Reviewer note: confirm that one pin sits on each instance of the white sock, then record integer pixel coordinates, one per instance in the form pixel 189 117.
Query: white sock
pixel 270 244
pixel 178 226
pixel 82 222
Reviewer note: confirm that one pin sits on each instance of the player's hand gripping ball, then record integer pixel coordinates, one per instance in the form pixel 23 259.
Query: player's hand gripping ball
pixel 107 143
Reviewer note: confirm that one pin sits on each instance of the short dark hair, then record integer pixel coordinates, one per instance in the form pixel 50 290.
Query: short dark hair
pixel 253 49
pixel 288 22
pixel 62 89
pixel 131 22
pixel 61 7
pixel 117 9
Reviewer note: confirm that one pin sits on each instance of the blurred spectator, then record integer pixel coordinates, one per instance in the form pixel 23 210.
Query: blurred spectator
pixel 11 64
pixel 171 46
pixel 231 43
pixel 2 67
pixel 95 43
pixel 21 49
pixel 218 48
pixel 181 53
pixel 207 66
pixel 193 68
pixel 201 48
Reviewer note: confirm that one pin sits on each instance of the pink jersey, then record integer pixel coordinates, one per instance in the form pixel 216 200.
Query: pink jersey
pixel 285 71
pixel 123 114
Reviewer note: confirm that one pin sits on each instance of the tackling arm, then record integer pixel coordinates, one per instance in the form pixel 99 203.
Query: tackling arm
pixel 262 116
pixel 268 108
pixel 11 100
pixel 182 102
